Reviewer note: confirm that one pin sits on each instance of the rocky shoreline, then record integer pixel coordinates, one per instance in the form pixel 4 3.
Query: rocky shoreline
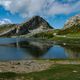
pixel 24 66
pixel 27 66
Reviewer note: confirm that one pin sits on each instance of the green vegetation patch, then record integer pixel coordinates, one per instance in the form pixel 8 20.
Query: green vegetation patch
pixel 56 72
pixel 46 35
pixel 6 27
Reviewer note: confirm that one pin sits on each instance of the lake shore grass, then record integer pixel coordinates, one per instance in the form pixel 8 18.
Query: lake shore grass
pixel 27 66
pixel 55 72
pixel 51 69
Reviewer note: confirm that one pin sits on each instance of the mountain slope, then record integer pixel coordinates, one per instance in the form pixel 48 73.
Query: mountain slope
pixel 73 21
pixel 33 26
pixel 7 29
pixel 71 26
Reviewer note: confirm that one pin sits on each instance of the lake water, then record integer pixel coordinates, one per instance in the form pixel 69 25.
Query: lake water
pixel 20 49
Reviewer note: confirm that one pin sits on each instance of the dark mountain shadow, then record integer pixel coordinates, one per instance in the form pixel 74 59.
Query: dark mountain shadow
pixel 35 48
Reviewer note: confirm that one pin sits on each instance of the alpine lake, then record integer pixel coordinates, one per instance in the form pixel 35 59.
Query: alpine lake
pixel 25 49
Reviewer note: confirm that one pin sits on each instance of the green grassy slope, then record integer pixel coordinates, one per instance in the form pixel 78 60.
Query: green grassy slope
pixel 6 27
pixel 73 29
pixel 46 35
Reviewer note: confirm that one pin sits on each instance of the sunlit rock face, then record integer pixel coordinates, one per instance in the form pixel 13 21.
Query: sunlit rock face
pixel 71 26
pixel 74 21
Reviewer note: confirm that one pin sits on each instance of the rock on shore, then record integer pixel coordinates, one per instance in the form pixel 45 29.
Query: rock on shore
pixel 24 66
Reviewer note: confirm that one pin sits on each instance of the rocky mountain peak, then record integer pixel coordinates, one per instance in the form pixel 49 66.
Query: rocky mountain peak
pixel 36 22
pixel 75 20
pixel 33 26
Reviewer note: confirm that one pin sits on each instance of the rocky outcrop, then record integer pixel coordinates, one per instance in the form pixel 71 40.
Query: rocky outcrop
pixel 71 26
pixel 74 21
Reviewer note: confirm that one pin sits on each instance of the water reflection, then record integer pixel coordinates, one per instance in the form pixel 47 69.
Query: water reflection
pixel 73 50
pixel 17 49
pixel 23 49
pixel 56 52
pixel 35 49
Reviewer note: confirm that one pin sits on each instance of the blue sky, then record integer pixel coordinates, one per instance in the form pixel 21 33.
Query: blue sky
pixel 56 12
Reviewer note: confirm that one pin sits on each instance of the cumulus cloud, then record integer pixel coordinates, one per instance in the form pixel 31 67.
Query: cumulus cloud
pixel 28 8
pixel 58 8
pixel 5 21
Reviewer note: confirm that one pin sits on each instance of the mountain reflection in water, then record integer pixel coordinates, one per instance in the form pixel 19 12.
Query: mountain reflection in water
pixel 36 49
pixel 73 50
pixel 20 49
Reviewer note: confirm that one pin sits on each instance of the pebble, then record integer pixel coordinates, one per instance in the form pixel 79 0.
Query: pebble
pixel 24 66
pixel 75 71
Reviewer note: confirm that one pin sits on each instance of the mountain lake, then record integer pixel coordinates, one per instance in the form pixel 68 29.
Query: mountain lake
pixel 22 49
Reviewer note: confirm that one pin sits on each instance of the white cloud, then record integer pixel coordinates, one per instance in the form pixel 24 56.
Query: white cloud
pixel 58 8
pixel 5 3
pixel 5 21
pixel 28 8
